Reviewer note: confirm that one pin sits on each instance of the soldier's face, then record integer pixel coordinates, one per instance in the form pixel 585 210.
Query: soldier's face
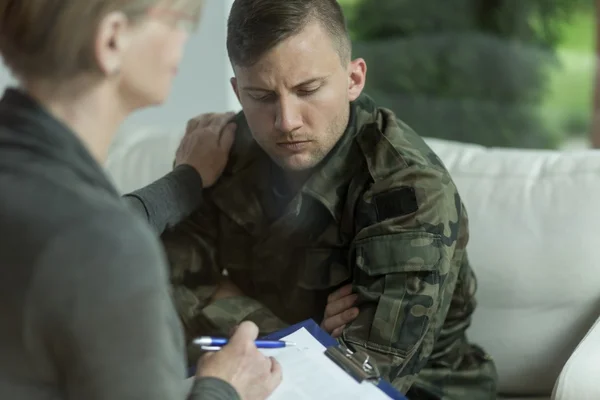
pixel 296 98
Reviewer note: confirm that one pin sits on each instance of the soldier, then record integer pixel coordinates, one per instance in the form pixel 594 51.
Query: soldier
pixel 324 188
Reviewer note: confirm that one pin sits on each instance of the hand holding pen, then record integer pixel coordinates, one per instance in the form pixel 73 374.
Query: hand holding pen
pixel 208 343
pixel 241 364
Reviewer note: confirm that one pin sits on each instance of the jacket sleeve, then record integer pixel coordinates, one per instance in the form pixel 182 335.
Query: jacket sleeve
pixel 408 234
pixel 192 249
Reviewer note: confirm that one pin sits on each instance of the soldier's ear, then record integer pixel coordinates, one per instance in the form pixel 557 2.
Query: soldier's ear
pixel 357 75
pixel 234 86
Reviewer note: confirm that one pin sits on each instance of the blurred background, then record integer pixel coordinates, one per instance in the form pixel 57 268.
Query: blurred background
pixel 508 73
pixel 505 73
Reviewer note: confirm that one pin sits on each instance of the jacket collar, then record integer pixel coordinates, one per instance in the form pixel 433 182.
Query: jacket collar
pixel 250 171
pixel 329 182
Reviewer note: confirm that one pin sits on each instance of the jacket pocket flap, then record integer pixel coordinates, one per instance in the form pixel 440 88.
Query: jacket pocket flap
pixel 399 252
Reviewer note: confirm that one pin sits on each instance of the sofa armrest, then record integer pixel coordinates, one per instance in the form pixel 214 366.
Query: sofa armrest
pixel 579 378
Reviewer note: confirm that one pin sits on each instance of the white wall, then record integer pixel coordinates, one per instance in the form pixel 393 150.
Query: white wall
pixel 5 78
pixel 202 84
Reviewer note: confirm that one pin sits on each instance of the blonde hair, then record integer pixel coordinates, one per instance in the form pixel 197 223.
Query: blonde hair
pixel 54 39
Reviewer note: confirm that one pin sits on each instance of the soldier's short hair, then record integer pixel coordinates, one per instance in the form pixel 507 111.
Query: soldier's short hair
pixel 256 26
pixel 55 38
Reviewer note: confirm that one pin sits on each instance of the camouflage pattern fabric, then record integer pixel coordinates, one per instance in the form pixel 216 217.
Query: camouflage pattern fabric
pixel 381 212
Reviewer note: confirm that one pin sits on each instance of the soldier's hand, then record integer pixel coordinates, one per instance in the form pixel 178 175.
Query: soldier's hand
pixel 206 144
pixel 254 375
pixel 225 290
pixel 339 310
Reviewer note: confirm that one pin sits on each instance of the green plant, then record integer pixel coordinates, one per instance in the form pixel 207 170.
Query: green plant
pixel 468 70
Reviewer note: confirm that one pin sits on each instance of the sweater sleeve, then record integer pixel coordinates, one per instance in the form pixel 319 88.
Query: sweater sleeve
pixel 100 304
pixel 167 201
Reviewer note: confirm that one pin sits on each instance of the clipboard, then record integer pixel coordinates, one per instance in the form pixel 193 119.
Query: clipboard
pixel 355 364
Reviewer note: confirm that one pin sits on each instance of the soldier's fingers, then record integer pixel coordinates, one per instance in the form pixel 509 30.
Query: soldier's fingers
pixel 332 323
pixel 341 292
pixel 341 305
pixel 350 315
pixel 337 332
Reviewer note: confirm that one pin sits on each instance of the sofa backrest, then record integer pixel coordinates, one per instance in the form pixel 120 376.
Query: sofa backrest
pixel 535 243
pixel 535 247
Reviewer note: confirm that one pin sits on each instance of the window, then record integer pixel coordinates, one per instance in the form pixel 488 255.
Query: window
pixel 509 73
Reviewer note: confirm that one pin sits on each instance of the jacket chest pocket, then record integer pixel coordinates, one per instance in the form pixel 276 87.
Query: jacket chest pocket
pixel 322 272
pixel 235 249
pixel 324 268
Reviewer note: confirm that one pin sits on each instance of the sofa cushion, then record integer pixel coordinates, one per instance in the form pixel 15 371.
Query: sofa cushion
pixel 535 247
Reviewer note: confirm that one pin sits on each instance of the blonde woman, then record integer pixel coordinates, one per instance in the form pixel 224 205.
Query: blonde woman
pixel 84 300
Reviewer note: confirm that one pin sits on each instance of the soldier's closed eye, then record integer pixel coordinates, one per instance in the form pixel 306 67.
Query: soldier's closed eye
pixel 308 91
pixel 264 98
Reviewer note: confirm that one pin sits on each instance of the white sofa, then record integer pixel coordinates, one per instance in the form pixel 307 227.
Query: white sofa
pixel 535 247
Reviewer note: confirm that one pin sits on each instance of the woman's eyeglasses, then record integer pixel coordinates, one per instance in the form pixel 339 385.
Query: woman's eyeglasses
pixel 175 18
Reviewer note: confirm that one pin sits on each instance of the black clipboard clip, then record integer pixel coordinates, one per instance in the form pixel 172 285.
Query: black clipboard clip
pixel 356 363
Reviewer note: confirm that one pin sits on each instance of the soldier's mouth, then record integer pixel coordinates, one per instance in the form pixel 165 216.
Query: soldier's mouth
pixel 295 146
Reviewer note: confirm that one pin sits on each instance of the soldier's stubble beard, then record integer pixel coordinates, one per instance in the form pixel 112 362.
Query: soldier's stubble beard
pixel 297 175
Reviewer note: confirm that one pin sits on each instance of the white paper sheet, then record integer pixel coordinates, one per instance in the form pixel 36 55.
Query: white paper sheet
pixel 309 374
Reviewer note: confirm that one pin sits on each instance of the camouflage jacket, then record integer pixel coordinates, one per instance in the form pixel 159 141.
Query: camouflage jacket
pixel 381 212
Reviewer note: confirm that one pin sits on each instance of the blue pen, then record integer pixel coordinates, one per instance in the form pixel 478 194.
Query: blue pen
pixel 215 343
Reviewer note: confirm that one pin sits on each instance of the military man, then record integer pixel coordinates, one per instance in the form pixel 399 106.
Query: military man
pixel 324 188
